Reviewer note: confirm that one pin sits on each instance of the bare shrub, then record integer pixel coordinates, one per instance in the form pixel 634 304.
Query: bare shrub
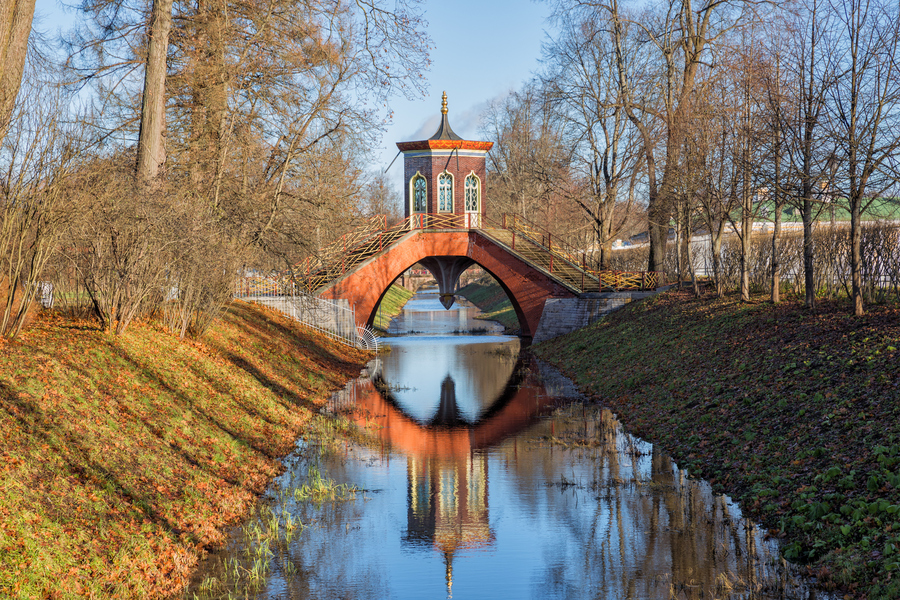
pixel 123 244
pixel 629 259
pixel 831 245
pixel 38 155
pixel 201 282
pixel 880 264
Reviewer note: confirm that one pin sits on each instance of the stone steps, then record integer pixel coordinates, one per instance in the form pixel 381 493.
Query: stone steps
pixel 542 258
pixel 565 315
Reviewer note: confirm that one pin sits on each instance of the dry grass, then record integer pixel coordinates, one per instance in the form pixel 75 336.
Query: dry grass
pixel 123 457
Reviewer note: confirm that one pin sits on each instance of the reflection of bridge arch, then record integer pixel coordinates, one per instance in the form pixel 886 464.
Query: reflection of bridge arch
pixel 519 405
pixel 526 286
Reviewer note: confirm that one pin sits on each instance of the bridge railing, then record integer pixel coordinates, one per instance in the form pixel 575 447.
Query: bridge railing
pixel 443 221
pixel 523 229
pixel 373 236
pixel 606 279
pixel 339 248
pixel 553 243
pixel 629 280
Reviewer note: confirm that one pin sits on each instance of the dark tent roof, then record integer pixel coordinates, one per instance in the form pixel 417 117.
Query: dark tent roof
pixel 444 131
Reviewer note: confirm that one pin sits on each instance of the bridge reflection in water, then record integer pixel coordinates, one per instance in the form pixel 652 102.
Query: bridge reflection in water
pixel 471 492
pixel 447 475
pixel 607 514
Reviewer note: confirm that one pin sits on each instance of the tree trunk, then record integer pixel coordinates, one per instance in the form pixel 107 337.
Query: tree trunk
pixel 809 281
pixel 210 93
pixel 746 232
pixel 776 265
pixel 151 154
pixel 685 268
pixel 658 230
pixel 15 27
pixel 716 243
pixel 856 258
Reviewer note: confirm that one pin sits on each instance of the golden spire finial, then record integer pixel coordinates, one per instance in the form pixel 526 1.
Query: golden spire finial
pixel 444 104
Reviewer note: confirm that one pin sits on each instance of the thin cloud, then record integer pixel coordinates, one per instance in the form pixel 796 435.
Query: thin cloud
pixel 466 122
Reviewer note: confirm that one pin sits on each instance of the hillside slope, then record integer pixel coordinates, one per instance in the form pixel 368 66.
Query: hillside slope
pixel 795 413
pixel 123 458
pixel 490 298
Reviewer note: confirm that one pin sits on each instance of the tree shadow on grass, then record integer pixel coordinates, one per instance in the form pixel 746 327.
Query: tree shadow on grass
pixel 264 323
pixel 155 377
pixel 44 431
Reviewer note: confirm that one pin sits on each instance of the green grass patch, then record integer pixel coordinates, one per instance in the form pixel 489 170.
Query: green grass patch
pixel 390 306
pixel 795 413
pixel 490 298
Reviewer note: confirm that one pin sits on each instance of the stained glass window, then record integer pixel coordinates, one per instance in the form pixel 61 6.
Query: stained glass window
pixel 472 193
pixel 445 192
pixel 420 201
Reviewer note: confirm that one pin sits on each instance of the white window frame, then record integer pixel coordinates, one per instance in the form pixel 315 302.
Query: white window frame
pixel 442 189
pixel 412 194
pixel 477 193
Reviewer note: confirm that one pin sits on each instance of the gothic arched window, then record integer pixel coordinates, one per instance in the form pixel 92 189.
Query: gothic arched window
pixel 473 193
pixel 445 192
pixel 419 197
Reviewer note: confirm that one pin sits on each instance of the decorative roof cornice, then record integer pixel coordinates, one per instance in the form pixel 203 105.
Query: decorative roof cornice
pixel 434 144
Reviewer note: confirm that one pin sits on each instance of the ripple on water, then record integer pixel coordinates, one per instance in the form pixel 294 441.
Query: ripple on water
pixel 483 475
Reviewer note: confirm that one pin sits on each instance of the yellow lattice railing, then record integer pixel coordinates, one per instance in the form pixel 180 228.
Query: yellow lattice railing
pixel 443 221
pixel 341 246
pixel 629 280
pixel 545 238
pixel 541 248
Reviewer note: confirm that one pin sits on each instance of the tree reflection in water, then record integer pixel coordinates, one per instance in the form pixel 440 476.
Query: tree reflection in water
pixel 474 491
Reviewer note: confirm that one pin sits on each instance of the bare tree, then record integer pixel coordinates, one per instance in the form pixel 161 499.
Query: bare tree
pixel 380 198
pixel 528 161
pixel 674 38
pixel 773 142
pixel 748 67
pixel 809 156
pixel 866 113
pixel 607 155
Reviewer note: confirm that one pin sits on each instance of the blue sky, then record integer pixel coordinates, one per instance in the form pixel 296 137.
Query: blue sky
pixel 483 49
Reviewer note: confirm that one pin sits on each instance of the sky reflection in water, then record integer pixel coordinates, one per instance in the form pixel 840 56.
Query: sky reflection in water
pixel 497 502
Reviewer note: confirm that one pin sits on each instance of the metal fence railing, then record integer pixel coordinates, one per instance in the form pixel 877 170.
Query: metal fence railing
pixel 334 319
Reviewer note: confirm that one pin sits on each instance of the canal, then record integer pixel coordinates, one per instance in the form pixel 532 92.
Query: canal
pixel 476 471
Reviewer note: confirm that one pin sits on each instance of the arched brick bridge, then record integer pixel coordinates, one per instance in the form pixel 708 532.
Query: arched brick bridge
pixel 447 254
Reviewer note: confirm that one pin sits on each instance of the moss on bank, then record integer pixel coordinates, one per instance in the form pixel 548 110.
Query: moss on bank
pixel 123 458
pixel 795 413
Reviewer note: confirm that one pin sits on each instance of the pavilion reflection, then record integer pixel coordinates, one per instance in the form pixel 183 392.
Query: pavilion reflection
pixel 447 474
pixel 447 506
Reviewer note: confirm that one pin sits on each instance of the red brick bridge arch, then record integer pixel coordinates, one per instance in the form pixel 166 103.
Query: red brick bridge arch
pixel 527 287
pixel 519 405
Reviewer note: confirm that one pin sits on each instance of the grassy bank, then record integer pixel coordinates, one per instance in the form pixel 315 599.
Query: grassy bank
pixel 795 413
pixel 122 458
pixel 390 306
pixel 490 298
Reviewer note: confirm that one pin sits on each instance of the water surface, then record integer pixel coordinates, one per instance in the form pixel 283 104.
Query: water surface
pixel 481 475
